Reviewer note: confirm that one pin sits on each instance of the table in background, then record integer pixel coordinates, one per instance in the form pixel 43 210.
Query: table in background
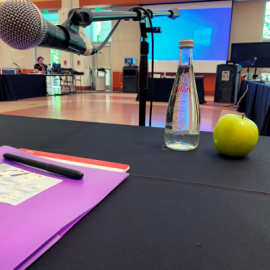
pixel 177 210
pixel 256 104
pixel 163 88
pixel 21 86
pixel 66 83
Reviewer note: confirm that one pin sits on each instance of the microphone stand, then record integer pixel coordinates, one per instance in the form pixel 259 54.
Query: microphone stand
pixel 84 17
pixel 238 72
pixel 18 67
pixel 143 68
pixel 248 67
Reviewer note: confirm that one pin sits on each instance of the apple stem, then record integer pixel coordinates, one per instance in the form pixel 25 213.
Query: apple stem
pixel 243 116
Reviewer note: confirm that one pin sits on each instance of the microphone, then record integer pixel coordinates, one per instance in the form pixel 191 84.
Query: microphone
pixel 18 67
pixel 22 27
pixel 254 61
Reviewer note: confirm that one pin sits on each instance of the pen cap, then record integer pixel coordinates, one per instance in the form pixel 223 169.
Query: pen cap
pixel 64 171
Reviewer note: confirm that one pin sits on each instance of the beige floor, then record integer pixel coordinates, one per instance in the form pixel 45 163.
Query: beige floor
pixel 115 108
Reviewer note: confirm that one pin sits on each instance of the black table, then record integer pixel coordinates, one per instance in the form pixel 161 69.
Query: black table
pixel 256 104
pixel 177 210
pixel 20 86
pixel 163 88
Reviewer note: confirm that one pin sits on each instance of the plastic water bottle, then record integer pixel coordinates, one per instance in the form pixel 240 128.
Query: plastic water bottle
pixel 182 130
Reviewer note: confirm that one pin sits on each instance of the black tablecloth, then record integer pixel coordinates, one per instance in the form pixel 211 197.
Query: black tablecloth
pixel 20 86
pixel 256 104
pixel 177 210
pixel 163 88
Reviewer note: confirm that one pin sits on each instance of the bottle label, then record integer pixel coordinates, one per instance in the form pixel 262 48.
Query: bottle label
pixel 180 120
pixel 182 89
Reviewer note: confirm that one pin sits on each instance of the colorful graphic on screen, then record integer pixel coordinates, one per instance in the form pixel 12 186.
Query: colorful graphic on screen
pixel 210 29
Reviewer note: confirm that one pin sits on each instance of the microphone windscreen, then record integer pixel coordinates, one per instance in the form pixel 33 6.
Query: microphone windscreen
pixel 21 24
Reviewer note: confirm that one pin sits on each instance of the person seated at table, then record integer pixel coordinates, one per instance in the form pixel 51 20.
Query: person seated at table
pixel 40 67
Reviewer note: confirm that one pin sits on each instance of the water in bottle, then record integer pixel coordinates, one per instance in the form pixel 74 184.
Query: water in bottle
pixel 182 130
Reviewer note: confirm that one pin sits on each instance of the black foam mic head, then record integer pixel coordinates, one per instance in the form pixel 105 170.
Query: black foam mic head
pixel 21 24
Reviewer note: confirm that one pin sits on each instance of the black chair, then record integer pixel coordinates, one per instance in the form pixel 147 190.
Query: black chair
pixel 77 73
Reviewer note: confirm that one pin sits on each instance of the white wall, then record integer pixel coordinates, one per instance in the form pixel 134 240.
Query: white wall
pixel 125 43
pixel 64 56
pixel 25 59
pixel 247 22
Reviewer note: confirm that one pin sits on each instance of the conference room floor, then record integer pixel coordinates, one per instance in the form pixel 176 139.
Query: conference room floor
pixel 114 108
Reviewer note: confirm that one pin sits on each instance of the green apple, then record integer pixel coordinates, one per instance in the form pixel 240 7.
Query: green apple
pixel 235 135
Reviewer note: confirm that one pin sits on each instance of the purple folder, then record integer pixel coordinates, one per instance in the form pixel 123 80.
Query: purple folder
pixel 30 228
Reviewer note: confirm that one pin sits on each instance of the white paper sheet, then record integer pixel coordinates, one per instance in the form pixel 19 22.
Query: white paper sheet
pixel 17 185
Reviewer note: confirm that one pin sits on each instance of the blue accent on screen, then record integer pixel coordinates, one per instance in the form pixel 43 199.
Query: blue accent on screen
pixel 209 28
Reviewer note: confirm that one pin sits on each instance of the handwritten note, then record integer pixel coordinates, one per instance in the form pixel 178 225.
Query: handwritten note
pixel 17 185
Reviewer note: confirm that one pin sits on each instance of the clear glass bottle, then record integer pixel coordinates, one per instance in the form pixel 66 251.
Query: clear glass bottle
pixel 182 130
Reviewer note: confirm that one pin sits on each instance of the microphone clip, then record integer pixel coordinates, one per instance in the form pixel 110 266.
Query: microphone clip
pixel 79 17
pixel 74 38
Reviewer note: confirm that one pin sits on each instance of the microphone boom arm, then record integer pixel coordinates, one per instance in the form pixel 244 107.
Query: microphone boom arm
pixel 84 17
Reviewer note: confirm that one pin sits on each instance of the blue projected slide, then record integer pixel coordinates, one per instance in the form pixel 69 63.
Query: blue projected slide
pixel 209 28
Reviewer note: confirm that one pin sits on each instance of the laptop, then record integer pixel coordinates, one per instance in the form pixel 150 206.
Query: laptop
pixel 56 68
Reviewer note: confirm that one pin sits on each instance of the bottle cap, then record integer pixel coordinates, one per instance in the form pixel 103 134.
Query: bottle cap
pixel 186 43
